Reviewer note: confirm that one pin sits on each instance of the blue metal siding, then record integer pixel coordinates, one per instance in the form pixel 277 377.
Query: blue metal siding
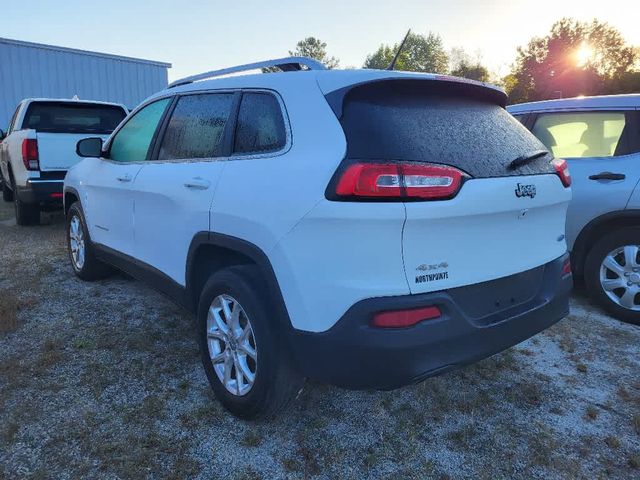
pixel 30 70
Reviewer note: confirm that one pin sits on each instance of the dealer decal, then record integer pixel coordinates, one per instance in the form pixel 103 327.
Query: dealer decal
pixel 431 277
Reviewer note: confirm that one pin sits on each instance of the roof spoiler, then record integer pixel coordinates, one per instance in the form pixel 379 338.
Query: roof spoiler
pixel 438 84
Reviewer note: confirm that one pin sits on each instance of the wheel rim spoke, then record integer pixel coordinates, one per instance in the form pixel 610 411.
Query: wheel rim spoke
pixel 613 284
pixel 627 299
pixel 611 263
pixel 630 255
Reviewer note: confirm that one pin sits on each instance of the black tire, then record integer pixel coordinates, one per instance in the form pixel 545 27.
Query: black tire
pixel 7 193
pixel 276 382
pixel 593 262
pixel 92 268
pixel 26 213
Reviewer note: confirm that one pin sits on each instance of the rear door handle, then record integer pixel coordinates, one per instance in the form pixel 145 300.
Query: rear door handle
pixel 607 176
pixel 197 183
pixel 124 178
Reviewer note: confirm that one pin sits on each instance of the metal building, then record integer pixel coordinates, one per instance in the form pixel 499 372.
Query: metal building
pixel 32 70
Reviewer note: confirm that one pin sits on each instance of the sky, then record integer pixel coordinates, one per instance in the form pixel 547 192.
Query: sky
pixel 199 35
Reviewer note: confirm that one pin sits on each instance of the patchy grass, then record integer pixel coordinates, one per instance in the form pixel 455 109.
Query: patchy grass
pixel 103 380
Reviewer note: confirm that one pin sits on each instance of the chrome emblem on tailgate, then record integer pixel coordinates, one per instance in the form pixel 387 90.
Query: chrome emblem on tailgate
pixel 525 190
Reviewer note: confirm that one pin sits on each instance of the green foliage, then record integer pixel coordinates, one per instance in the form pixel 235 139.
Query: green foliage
pixel 420 54
pixel 463 66
pixel 551 66
pixel 315 48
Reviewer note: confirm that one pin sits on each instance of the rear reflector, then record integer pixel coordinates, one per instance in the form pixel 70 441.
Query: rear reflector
pixel 30 154
pixel 404 318
pixel 399 181
pixel 566 268
pixel 562 169
pixel 56 195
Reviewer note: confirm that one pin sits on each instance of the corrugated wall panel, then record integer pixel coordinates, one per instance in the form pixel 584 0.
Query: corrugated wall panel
pixel 29 70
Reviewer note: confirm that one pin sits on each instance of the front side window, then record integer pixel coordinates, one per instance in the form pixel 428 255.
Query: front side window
pixel 260 127
pixel 582 134
pixel 132 142
pixel 196 128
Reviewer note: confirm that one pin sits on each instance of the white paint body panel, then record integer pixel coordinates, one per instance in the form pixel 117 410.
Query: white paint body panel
pixel 168 214
pixel 485 232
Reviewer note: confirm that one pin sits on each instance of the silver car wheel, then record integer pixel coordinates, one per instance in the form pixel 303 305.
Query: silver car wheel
pixel 76 242
pixel 232 346
pixel 620 276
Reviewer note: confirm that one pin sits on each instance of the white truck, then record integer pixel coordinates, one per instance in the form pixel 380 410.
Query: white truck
pixel 40 146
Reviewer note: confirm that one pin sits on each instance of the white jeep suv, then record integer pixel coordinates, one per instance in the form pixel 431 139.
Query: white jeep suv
pixel 363 228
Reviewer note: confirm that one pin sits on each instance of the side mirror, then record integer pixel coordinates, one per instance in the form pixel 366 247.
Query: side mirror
pixel 2 135
pixel 89 147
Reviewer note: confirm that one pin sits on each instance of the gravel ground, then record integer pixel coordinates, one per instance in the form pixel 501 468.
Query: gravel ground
pixel 103 380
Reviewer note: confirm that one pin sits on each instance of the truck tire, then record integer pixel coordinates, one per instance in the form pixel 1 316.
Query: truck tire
pixel 26 214
pixel 612 273
pixel 7 193
pixel 244 359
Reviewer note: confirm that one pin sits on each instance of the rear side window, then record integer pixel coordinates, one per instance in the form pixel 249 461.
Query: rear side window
pixel 409 122
pixel 584 134
pixel 196 127
pixel 72 118
pixel 260 127
pixel 131 143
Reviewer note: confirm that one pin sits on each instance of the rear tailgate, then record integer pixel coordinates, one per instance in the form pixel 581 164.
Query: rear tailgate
pixel 485 232
pixel 506 218
pixel 57 151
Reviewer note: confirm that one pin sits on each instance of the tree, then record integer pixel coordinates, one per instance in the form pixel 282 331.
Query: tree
pixel 462 65
pixel 575 58
pixel 315 48
pixel 420 54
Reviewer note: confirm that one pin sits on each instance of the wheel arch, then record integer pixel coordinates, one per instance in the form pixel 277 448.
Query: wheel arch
pixel 70 196
pixel 211 251
pixel 595 229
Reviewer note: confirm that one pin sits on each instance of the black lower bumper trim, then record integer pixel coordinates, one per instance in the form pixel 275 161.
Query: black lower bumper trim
pixel 352 354
pixel 41 192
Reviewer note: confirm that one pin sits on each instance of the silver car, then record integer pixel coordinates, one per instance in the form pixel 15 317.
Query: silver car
pixel 600 139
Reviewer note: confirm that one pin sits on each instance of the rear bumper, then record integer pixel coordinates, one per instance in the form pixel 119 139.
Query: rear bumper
pixel 42 192
pixel 354 355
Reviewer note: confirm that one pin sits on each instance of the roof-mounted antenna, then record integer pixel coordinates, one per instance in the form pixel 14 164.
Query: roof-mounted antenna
pixel 395 59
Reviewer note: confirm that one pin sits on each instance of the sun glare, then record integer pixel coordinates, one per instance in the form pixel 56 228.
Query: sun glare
pixel 584 54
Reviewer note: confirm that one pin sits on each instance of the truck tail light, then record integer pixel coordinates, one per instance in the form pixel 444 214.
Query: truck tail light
pixel 404 318
pixel 398 182
pixel 30 154
pixel 562 169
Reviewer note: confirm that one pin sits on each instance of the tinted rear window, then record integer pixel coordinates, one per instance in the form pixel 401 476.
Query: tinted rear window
pixel 410 123
pixel 72 118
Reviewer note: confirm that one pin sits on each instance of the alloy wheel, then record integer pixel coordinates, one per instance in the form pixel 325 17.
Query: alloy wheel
pixel 232 346
pixel 620 276
pixel 76 242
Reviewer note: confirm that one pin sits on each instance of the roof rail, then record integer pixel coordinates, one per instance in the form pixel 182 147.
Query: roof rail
pixel 286 64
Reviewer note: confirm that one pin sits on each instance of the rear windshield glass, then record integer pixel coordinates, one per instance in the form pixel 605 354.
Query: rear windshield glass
pixel 410 123
pixel 72 118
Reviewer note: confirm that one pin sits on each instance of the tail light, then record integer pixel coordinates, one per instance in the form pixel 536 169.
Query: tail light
pixel 404 318
pixel 30 154
pixel 562 169
pixel 399 181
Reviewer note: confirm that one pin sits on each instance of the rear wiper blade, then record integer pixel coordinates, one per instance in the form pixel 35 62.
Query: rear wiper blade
pixel 527 157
